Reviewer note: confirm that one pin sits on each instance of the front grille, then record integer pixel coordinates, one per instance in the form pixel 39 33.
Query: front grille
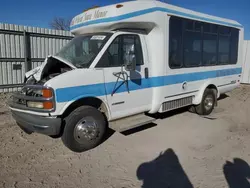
pixel 19 101
pixel 171 105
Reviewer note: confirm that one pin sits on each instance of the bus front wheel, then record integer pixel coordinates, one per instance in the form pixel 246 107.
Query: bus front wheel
pixel 84 129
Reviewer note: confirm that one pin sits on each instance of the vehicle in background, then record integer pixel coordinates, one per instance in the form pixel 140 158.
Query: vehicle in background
pixel 126 61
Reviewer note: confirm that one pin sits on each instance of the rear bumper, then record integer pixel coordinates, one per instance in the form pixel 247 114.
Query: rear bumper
pixel 33 123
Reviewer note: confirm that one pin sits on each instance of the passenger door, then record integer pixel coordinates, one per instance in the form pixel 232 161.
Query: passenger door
pixel 127 91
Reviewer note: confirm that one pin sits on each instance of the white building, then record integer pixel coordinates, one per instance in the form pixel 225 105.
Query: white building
pixel 246 63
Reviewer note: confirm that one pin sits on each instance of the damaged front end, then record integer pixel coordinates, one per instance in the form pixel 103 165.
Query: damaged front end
pixel 35 99
pixel 36 95
pixel 52 67
pixel 33 105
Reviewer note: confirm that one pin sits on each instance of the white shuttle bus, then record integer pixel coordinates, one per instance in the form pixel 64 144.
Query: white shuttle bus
pixel 128 61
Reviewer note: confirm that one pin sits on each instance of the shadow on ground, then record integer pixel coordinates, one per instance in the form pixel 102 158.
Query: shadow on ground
pixel 163 172
pixel 139 129
pixel 237 173
pixel 223 96
pixel 166 115
pixel 108 134
pixel 170 113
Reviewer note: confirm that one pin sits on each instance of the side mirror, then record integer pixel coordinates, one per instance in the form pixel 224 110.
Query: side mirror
pixel 130 63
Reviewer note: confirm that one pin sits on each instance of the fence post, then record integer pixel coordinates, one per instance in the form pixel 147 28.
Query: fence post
pixel 27 51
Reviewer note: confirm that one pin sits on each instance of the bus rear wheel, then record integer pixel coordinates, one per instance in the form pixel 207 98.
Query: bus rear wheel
pixel 84 129
pixel 207 104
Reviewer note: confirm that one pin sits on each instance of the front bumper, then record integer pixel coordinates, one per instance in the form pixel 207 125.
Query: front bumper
pixel 33 123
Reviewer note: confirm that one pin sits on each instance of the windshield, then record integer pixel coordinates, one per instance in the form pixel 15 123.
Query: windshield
pixel 82 50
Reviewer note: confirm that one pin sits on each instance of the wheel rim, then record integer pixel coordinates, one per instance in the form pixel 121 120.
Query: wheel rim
pixel 209 102
pixel 85 129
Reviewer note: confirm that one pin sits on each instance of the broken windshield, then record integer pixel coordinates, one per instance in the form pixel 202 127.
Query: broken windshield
pixel 82 50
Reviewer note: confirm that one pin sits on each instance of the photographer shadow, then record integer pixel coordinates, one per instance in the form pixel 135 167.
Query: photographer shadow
pixel 163 172
pixel 237 173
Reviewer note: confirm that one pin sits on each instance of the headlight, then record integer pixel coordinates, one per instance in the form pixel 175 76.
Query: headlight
pixel 38 92
pixel 32 104
pixel 46 93
pixel 48 105
pixel 44 102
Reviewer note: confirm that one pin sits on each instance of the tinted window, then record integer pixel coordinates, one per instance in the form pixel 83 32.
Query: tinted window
pixel 209 49
pixel 189 25
pixel 193 43
pixel 224 50
pixel 197 26
pixel 123 48
pixel 175 43
pixel 234 45
pixel 210 28
pixel 224 30
pixel 192 49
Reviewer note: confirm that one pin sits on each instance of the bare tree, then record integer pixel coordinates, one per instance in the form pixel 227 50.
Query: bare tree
pixel 60 23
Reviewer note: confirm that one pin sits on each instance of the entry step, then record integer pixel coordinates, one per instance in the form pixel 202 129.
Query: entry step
pixel 130 122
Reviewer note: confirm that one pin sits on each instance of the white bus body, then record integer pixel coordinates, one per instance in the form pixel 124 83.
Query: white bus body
pixel 126 60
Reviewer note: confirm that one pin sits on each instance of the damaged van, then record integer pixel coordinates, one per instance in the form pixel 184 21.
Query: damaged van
pixel 128 61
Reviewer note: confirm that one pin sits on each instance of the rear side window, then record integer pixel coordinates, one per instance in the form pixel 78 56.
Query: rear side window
pixel 194 43
pixel 234 46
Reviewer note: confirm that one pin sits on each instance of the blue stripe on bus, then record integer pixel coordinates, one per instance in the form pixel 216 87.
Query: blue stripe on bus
pixel 101 89
pixel 150 10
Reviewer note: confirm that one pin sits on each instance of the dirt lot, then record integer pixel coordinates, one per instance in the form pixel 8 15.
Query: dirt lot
pixel 181 150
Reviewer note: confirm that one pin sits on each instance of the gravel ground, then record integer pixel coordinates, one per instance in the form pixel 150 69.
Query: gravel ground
pixel 180 150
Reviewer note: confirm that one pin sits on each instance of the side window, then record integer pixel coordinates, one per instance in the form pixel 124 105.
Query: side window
pixel 131 47
pixel 224 45
pixel 175 43
pixel 224 50
pixel 122 49
pixel 192 44
pixel 209 49
pixel 234 45
pixel 113 54
pixel 209 56
pixel 111 57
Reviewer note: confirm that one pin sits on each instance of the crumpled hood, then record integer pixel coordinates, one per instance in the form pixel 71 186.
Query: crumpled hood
pixel 37 72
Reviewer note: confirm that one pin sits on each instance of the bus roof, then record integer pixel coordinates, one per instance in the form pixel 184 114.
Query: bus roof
pixel 104 18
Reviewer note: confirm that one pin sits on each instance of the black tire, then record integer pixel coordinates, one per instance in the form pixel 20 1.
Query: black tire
pixel 202 108
pixel 192 109
pixel 68 137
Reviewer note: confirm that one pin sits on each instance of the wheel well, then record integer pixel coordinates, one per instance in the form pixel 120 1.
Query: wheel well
pixel 88 101
pixel 211 86
pixel 214 88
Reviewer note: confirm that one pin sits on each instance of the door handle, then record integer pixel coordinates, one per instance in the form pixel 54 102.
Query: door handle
pixel 146 73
